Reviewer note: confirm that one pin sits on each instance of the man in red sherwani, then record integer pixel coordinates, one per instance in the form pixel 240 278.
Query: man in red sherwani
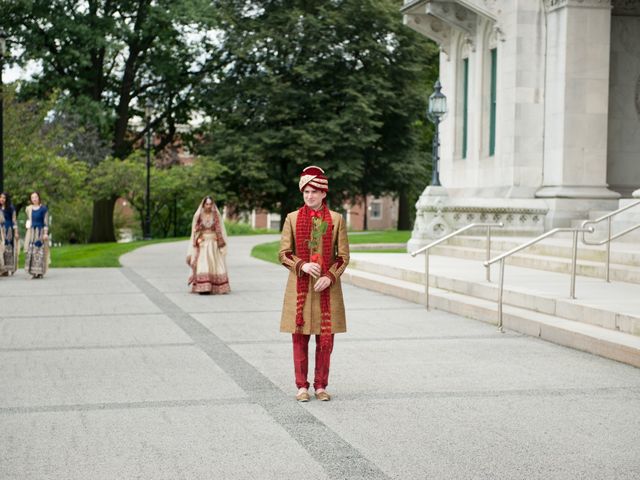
pixel 315 249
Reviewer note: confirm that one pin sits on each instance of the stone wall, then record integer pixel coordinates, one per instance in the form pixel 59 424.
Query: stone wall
pixel 558 143
pixel 623 162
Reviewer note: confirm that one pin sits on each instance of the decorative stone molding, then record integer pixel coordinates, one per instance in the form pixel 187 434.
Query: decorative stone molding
pixel 492 36
pixel 468 46
pixel 432 28
pixel 552 5
pixel 489 9
pixel 475 213
pixel 437 215
pixel 454 15
pixel 439 220
pixel 410 3
pixel 440 20
pixel 491 5
pixel 499 34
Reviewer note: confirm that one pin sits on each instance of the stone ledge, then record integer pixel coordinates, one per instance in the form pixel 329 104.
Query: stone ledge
pixel 593 339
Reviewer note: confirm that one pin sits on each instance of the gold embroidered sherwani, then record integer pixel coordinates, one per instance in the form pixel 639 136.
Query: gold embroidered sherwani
pixel 339 261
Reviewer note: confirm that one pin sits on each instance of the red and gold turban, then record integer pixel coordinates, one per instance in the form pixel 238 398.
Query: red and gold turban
pixel 314 177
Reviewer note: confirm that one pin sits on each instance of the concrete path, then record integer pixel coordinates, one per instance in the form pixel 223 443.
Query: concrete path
pixel 121 374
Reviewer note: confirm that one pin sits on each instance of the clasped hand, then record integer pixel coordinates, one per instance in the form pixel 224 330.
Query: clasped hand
pixel 314 270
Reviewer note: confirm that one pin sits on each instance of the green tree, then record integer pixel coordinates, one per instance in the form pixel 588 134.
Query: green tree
pixel 175 191
pixel 31 163
pixel 335 83
pixel 107 58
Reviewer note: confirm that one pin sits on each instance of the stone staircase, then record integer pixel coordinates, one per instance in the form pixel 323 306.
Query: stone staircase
pixel 604 319
pixel 553 255
pixel 620 222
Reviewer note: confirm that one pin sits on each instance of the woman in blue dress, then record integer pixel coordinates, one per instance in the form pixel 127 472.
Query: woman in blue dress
pixel 36 240
pixel 8 236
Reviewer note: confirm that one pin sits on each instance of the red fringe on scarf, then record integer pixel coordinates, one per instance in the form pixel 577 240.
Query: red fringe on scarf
pixel 304 225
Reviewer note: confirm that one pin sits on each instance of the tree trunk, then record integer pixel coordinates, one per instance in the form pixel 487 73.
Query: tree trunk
pixel 102 227
pixel 288 204
pixel 365 218
pixel 175 216
pixel 404 214
pixel 137 46
pixel 283 215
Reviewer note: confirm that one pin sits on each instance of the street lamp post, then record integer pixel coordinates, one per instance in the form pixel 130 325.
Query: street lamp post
pixel 436 112
pixel 147 220
pixel 3 46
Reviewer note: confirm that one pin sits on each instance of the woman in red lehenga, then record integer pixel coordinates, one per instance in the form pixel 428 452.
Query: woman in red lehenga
pixel 208 250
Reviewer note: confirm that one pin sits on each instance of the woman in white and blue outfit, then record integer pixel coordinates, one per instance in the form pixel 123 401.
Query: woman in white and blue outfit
pixel 36 240
pixel 8 236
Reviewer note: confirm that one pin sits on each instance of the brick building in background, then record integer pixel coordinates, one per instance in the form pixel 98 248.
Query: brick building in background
pixel 382 215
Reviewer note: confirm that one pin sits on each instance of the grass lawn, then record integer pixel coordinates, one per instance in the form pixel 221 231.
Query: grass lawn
pixel 95 254
pixel 266 251
pixel 98 255
pixel 385 236
pixel 269 251
pixel 108 254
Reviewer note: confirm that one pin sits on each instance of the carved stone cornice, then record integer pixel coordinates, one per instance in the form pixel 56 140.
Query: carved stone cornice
pixel 432 28
pixel 455 15
pixel 439 20
pixel 552 5
pixel 491 5
pixel 492 210
pixel 489 9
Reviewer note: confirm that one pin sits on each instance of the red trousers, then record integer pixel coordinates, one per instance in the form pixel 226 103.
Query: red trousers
pixel 301 361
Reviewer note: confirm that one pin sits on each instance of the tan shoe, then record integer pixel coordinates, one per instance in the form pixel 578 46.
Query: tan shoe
pixel 303 395
pixel 323 396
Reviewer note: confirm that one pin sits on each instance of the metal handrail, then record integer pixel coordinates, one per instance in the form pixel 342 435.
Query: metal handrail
pixel 426 249
pixel 502 257
pixel 609 238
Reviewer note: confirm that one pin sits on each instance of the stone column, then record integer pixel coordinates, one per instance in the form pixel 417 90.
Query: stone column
pixel 576 109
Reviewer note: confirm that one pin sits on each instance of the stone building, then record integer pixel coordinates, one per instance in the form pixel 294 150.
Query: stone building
pixel 381 213
pixel 544 111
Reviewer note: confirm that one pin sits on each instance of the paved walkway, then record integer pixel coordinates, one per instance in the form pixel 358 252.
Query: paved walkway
pixel 121 374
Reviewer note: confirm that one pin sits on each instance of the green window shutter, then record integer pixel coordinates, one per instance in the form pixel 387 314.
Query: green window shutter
pixel 465 105
pixel 492 111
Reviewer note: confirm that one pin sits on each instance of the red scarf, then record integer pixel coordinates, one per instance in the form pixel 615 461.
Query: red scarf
pixel 304 225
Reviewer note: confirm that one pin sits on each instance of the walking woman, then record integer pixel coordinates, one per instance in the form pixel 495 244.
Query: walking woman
pixel 9 236
pixel 207 250
pixel 36 240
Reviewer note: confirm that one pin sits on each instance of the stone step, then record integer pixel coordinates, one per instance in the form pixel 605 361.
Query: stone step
pixel 554 302
pixel 553 247
pixel 618 225
pixel 595 214
pixel 362 247
pixel 631 214
pixel 588 268
pixel 589 338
